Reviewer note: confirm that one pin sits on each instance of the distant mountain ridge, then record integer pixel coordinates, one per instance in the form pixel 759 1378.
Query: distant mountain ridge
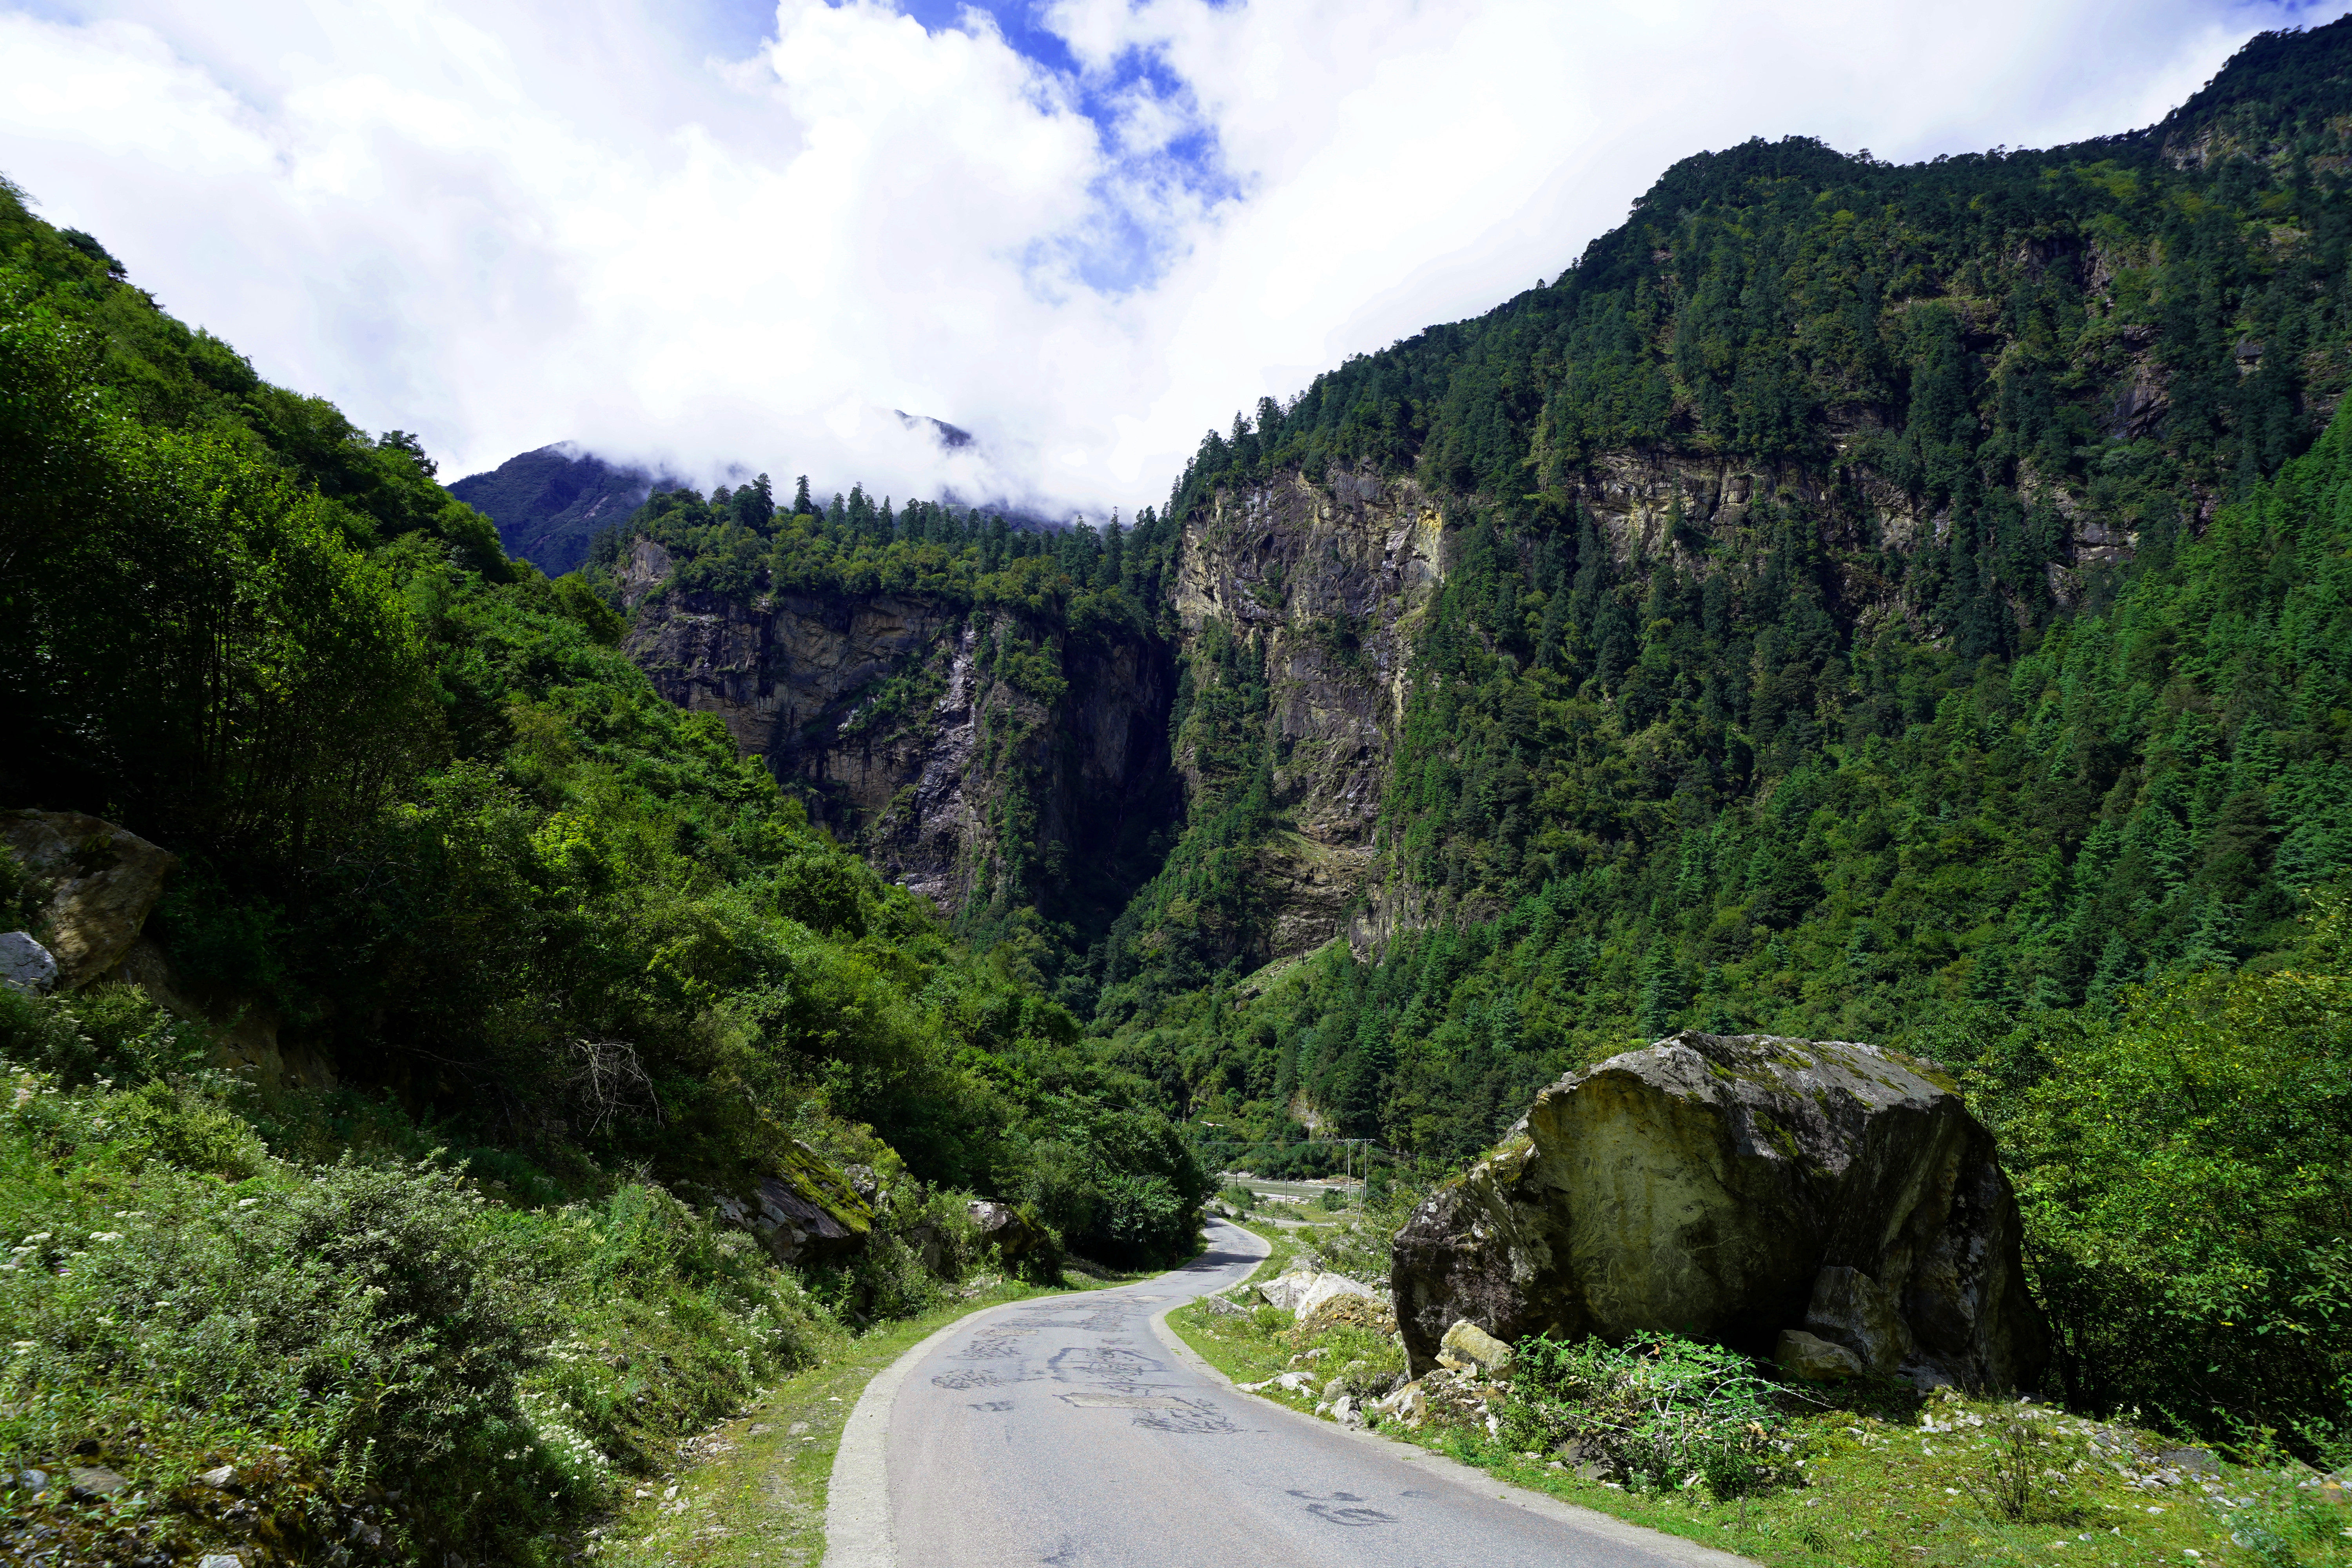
pixel 549 504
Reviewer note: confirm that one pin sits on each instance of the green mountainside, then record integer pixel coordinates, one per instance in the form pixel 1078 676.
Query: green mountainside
pixel 562 1007
pixel 1905 604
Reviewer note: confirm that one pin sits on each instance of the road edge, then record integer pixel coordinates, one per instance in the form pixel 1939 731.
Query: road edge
pixel 1430 1462
pixel 857 1531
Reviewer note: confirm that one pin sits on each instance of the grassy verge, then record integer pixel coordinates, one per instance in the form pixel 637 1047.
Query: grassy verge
pixel 1890 1477
pixel 753 1490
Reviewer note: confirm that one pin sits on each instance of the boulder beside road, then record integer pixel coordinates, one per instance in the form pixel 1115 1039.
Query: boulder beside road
pixel 1729 1187
pixel 97 883
pixel 1317 1298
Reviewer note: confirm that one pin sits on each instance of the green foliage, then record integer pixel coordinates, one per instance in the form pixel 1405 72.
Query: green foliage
pixel 2011 1483
pixel 438 831
pixel 1089 580
pixel 1656 1410
pixel 1881 748
pixel 2186 1179
pixel 182 1298
pixel 1942 323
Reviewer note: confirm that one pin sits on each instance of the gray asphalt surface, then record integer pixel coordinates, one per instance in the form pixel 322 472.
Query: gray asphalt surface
pixel 1065 1432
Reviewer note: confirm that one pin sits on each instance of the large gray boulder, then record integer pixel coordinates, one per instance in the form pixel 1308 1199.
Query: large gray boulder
pixel 1727 1188
pixel 97 883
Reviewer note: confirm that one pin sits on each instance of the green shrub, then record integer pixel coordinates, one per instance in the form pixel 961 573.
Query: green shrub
pixel 2185 1176
pixel 2013 1481
pixel 19 894
pixel 1659 1411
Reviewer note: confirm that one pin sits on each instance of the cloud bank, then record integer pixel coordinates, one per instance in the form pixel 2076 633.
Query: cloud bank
pixel 1085 233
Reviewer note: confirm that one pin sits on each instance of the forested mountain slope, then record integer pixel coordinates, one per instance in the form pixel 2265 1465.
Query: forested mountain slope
pixel 587 1009
pixel 1860 609
pixel 550 504
pixel 1904 604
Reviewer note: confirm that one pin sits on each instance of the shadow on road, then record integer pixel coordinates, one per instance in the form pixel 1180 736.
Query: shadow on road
pixel 1218 1255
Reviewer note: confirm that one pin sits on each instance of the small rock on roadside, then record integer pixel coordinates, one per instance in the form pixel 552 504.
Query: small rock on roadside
pixel 1467 1345
pixel 1406 1403
pixel 760 1428
pixel 26 964
pixel 220 1559
pixel 93 1481
pixel 1219 1307
pixel 1814 1359
pixel 219 1479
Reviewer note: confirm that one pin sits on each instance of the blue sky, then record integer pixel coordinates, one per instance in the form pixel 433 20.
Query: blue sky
pixel 742 233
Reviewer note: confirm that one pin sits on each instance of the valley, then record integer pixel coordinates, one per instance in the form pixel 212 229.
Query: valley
pixel 1783 797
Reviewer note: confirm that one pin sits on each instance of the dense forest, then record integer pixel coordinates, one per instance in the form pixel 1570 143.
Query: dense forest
pixel 1892 750
pixel 576 969
pixel 1907 750
pixel 2000 714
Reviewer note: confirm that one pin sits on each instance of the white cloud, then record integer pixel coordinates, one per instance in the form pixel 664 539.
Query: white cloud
pixel 500 224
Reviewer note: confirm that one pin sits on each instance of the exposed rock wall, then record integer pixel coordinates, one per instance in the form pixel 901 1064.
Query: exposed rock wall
pixel 960 775
pixel 911 744
pixel 1332 582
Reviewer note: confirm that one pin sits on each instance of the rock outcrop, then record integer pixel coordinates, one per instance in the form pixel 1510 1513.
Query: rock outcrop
pixel 911 739
pixel 95 884
pixel 1729 1187
pixel 1331 581
pixel 805 1209
pixel 1007 1229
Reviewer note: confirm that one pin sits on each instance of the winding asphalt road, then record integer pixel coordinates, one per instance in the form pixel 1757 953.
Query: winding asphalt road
pixel 1077 1431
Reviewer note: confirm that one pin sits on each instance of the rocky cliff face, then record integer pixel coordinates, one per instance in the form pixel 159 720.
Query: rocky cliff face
pixel 973 778
pixel 960 770
pixel 1331 583
pixel 974 756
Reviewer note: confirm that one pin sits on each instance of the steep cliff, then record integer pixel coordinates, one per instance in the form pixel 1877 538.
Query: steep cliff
pixel 989 759
pixel 1327 584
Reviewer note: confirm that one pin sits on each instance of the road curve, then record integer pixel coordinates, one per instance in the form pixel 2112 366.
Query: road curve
pixel 1077 1431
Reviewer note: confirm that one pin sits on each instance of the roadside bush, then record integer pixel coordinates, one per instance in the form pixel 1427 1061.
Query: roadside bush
pixel 175 1299
pixel 2013 1482
pixel 2185 1177
pixel 1363 1246
pixel 1658 1411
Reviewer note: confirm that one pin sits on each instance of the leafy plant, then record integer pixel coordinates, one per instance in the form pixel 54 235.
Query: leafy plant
pixel 1659 1410
pixel 2013 1481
